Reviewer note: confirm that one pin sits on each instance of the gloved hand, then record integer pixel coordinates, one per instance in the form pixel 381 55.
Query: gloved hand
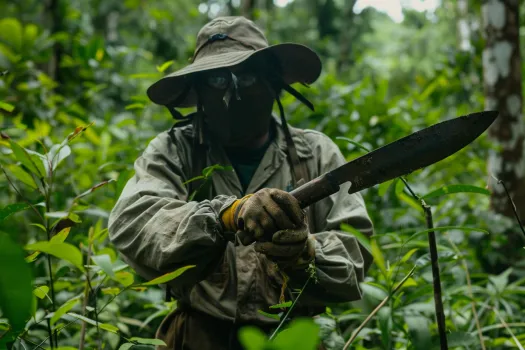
pixel 290 249
pixel 261 215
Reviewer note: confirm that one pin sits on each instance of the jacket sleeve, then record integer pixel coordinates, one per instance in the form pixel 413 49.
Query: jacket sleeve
pixel 341 261
pixel 156 230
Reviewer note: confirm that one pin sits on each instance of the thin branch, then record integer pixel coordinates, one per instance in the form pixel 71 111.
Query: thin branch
pixel 57 331
pixel 436 278
pixel 513 204
pixel 471 294
pixel 508 328
pixel 376 310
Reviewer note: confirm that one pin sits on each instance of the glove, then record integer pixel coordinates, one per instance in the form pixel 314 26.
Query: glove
pixel 262 214
pixel 290 249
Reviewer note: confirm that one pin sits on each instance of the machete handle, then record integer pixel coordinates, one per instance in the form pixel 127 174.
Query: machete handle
pixel 315 190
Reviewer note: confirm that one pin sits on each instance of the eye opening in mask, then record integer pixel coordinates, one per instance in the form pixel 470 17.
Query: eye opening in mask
pixel 221 79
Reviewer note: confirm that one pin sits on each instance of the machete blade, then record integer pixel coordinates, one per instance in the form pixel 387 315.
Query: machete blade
pixel 413 152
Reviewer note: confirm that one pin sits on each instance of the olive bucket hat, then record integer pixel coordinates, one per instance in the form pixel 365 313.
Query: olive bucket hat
pixel 226 42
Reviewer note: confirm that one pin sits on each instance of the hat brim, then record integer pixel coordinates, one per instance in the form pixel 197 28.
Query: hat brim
pixel 299 63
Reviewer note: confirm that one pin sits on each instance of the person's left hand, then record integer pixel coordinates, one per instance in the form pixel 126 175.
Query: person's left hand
pixel 290 248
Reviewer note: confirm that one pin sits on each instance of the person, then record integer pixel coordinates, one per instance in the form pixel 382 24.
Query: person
pixel 213 192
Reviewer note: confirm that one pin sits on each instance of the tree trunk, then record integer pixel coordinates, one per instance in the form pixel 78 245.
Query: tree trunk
pixel 248 8
pixel 503 92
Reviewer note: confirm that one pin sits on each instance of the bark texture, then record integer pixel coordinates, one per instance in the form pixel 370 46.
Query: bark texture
pixel 503 92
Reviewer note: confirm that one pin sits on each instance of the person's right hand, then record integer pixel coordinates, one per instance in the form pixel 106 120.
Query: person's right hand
pixel 260 215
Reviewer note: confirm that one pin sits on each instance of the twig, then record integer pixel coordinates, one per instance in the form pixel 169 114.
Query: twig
pixel 508 328
pixel 376 310
pixel 513 205
pixel 436 278
pixel 438 301
pixel 57 331
pixel 291 308
pixel 471 295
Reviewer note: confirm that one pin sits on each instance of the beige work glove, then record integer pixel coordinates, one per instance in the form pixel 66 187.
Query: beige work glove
pixel 290 249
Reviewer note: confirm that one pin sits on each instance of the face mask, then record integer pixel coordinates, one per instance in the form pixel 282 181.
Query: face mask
pixel 238 107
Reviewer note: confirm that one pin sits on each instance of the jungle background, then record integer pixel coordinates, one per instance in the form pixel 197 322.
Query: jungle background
pixel 74 116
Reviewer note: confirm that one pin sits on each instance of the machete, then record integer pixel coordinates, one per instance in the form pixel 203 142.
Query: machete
pixel 401 157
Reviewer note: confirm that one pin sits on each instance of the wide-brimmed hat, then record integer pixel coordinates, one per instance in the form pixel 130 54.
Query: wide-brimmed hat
pixel 226 42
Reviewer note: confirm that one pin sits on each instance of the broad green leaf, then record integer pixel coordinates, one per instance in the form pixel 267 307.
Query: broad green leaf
pixel 148 341
pixel 32 257
pixel 447 190
pixel 164 66
pixel 111 291
pixel 63 251
pixel 364 240
pixel 41 291
pixel 252 338
pixel 23 176
pixel 6 106
pixel 126 346
pixel 125 278
pixel 383 187
pixel 419 331
pixel 11 33
pixel 23 157
pixel 282 305
pixel 16 290
pixel 62 310
pixel 39 226
pixel 410 201
pixel 104 326
pixel 463 339
pixel 168 277
pixel 104 262
pixel 11 209
pixel 274 316
pixel 303 333
pixel 61 236
pixel 57 154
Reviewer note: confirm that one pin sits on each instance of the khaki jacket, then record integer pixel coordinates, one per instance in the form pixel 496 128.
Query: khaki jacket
pixel 157 230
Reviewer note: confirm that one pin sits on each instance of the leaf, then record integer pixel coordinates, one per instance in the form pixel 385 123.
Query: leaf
pixel 23 157
pixel 6 106
pixel 11 209
pixel 104 262
pixel 32 257
pixel 61 236
pixel 302 334
pixel 78 130
pixel 125 278
pixel 111 290
pixel 126 346
pixel 385 325
pixel 94 188
pixel 419 331
pixel 164 66
pixel 252 338
pixel 137 105
pixel 282 305
pixel 379 259
pixel 16 290
pixel 455 339
pixel 63 251
pixel 148 341
pixel 193 179
pixel 41 291
pixel 11 33
pixel 383 187
pixel 104 326
pixel 447 190
pixel 447 228
pixel 62 310
pixel 274 316
pixel 168 277
pixel 357 144
pixel 57 154
pixel 364 240
pixel 408 255
pixel 22 176
pixel 410 201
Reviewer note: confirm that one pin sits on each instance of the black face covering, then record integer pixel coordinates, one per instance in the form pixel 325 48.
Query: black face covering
pixel 239 113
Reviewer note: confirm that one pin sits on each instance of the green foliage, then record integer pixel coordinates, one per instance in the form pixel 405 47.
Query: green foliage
pixel 71 131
